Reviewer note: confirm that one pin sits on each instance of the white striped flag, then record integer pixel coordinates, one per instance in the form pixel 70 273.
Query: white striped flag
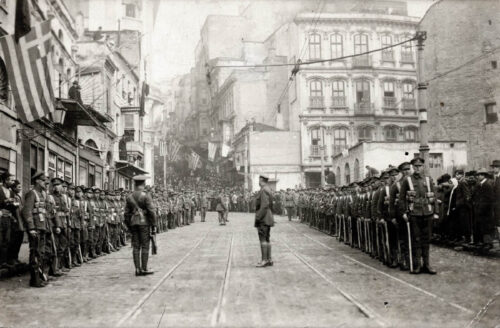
pixel 195 159
pixel 212 148
pixel 163 148
pixel 29 68
pixel 174 150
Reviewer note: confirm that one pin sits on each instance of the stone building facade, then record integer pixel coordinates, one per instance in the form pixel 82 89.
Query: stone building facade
pixel 461 58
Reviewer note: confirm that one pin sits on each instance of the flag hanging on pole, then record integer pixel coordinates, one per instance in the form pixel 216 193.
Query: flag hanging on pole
pixel 194 160
pixel 29 68
pixel 174 150
pixel 163 148
pixel 212 148
pixel 23 19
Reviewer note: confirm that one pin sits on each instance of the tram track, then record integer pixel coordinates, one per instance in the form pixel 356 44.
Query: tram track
pixel 365 310
pixel 387 275
pixel 136 308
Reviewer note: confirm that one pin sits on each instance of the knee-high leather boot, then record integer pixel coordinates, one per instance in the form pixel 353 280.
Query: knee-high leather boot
pixel 144 261
pixel 137 262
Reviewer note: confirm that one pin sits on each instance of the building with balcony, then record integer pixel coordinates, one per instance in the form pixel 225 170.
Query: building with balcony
pixel 337 104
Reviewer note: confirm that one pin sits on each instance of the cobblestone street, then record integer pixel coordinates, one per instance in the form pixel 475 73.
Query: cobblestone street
pixel 205 276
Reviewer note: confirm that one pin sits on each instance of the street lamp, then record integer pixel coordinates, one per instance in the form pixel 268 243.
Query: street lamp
pixel 59 115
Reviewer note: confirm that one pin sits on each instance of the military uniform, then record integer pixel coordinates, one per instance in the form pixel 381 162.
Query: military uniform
pixel 264 220
pixel 417 202
pixel 141 220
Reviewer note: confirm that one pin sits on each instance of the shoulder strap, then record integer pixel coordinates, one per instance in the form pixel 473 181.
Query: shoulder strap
pixel 132 199
pixel 410 183
pixel 428 183
pixel 37 198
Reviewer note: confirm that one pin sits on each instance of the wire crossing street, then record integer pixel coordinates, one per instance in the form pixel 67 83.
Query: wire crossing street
pixel 205 276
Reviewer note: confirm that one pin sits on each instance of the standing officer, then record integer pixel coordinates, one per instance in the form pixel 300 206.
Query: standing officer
pixel 203 206
pixel 417 203
pixel 141 222
pixel 289 204
pixel 35 221
pixel 264 220
pixel 395 213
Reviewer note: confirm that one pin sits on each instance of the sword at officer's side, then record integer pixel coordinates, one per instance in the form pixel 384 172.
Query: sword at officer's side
pixel 409 246
pixel 389 257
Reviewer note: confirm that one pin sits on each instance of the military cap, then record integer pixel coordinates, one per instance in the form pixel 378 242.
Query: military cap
pixel 140 177
pixel 39 175
pixel 470 173
pixel 459 171
pixel 96 189
pixel 403 166
pixel 71 186
pixel 65 183
pixel 89 190
pixel 56 181
pixel 109 193
pixel 417 161
pixel 495 163
pixel 78 188
pixel 264 177
pixel 483 171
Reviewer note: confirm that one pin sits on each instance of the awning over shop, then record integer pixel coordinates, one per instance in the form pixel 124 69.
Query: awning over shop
pixel 77 113
pixel 128 169
pixel 103 117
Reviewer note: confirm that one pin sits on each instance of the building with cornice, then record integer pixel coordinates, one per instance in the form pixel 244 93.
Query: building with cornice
pixel 338 104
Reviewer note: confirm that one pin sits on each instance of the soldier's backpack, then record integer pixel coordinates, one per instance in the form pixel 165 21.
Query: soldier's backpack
pixel 137 217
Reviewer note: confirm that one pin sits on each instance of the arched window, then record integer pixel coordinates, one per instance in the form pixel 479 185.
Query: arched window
pixel 411 133
pixel 336 45
pixel 337 176
pixel 363 102
pixel 360 43
pixel 391 133
pixel 91 143
pixel 387 54
pixel 347 174
pixel 4 83
pixel 338 94
pixel 356 170
pixel 314 46
pixel 316 94
pixel 339 140
pixel 365 133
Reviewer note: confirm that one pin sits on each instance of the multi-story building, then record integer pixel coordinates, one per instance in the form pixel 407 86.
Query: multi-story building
pixel 461 62
pixel 337 104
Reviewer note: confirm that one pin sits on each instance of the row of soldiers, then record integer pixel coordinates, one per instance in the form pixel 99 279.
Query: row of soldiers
pixel 391 216
pixel 69 225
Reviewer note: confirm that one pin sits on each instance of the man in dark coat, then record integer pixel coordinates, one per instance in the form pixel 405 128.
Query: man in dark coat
pixel 141 221
pixel 264 220
pixel 484 200
pixel 496 188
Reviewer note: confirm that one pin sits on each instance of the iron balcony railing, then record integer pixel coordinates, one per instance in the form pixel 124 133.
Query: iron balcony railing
pixel 316 102
pixel 363 107
pixel 409 104
pixel 390 102
pixel 407 57
pixel 339 102
pixel 361 61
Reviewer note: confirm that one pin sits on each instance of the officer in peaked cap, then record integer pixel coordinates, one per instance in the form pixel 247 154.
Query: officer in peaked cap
pixel 56 181
pixel 264 220
pixel 141 221
pixel 417 161
pixel 404 166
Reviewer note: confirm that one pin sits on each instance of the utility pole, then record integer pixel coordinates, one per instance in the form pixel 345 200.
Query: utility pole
pixel 422 100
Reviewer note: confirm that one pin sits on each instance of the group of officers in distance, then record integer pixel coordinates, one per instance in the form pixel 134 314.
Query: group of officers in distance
pixel 390 217
pixel 69 225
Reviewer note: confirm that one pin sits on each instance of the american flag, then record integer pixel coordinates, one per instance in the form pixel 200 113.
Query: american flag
pixel 29 68
pixel 212 148
pixel 174 150
pixel 163 147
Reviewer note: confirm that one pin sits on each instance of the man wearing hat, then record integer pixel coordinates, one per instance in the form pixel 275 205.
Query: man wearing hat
pixel 388 225
pixel 395 214
pixel 417 203
pixel 289 204
pixel 8 208
pixel 61 222
pixel 484 201
pixel 141 220
pixel 264 220
pixel 36 223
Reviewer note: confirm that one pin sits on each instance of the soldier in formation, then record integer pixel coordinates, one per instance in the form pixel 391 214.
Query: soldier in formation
pixel 391 216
